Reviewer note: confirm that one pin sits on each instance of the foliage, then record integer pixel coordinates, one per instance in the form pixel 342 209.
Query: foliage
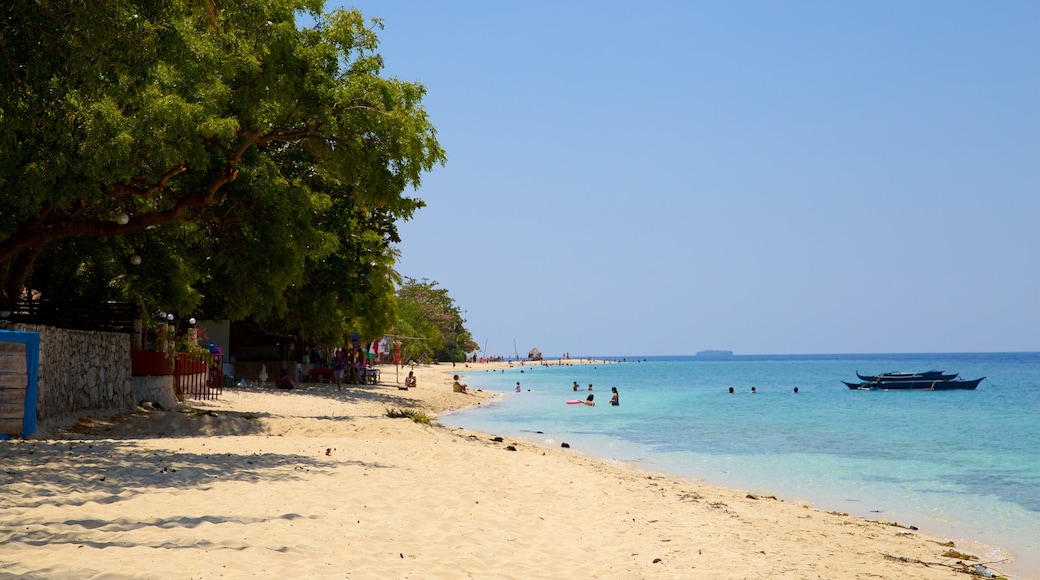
pixel 429 313
pixel 186 342
pixel 417 416
pixel 261 164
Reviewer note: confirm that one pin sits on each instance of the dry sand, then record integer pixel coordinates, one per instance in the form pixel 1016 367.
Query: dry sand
pixel 314 482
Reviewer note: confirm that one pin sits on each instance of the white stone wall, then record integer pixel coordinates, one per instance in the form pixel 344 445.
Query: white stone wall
pixel 81 370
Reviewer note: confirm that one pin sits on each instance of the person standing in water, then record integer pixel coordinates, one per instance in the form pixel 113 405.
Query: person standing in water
pixel 614 396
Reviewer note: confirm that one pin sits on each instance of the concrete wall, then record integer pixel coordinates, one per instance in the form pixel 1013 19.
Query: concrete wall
pixel 81 370
pixel 217 332
pixel 158 389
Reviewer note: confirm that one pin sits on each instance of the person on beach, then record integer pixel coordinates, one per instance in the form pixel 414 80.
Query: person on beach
pixel 588 401
pixel 409 381
pixel 457 386
pixel 285 381
pixel 339 362
pixel 614 397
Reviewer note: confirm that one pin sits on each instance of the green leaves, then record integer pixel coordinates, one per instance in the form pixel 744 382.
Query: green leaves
pixel 427 312
pixel 263 165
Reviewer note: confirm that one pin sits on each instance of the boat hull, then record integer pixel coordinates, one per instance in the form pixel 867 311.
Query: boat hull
pixel 916 385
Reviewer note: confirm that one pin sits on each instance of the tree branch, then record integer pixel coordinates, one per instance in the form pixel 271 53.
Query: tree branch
pixel 285 137
pixel 219 146
pixel 126 189
pixel 19 251
pixel 36 233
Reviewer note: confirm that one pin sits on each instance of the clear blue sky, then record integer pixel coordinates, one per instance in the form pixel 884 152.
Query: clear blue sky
pixel 659 177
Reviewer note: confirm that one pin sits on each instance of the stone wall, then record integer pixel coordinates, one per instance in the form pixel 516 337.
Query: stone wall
pixel 81 370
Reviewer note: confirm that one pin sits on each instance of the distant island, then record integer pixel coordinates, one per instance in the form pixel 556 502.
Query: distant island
pixel 715 353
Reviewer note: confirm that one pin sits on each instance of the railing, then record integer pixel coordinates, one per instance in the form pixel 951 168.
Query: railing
pixel 103 316
pixel 195 379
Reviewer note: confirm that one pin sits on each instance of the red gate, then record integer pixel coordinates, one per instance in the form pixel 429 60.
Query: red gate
pixel 198 379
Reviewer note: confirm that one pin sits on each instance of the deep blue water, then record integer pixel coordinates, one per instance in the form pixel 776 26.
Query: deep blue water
pixel 965 464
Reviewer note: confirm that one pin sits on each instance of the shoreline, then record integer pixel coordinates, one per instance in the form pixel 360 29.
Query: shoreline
pixel 1010 553
pixel 316 482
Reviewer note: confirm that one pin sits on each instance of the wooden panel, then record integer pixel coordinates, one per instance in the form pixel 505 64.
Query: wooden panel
pixel 10 410
pixel 12 399
pixel 12 364
pixel 11 426
pixel 12 396
pixel 14 381
pixel 12 357
pixel 12 349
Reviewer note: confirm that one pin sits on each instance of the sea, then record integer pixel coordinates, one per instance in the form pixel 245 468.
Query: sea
pixel 963 465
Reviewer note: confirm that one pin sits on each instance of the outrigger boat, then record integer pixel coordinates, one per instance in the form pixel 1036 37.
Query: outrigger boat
pixel 914 384
pixel 894 376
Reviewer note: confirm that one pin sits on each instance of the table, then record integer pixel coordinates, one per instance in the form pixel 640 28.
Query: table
pixel 369 375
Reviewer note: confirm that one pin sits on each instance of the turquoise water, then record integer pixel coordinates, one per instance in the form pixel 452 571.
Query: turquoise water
pixel 964 464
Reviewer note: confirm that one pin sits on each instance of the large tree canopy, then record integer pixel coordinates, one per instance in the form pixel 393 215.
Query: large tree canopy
pixel 430 317
pixel 262 164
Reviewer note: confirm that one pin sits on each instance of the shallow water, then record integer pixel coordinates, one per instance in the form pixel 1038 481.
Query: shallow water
pixel 965 464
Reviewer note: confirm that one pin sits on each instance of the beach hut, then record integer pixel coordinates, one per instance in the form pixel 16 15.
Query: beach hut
pixel 534 354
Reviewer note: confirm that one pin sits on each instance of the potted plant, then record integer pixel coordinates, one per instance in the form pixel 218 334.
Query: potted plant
pixel 191 358
pixel 172 351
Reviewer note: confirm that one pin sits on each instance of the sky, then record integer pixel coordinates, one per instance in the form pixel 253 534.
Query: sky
pixel 660 178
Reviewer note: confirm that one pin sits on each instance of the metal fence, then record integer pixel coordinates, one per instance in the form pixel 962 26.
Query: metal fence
pixel 103 316
pixel 195 379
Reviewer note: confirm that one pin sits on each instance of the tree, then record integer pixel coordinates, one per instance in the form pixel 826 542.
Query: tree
pixel 260 165
pixel 428 312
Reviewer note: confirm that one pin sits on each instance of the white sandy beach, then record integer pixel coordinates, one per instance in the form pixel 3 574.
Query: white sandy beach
pixel 317 483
